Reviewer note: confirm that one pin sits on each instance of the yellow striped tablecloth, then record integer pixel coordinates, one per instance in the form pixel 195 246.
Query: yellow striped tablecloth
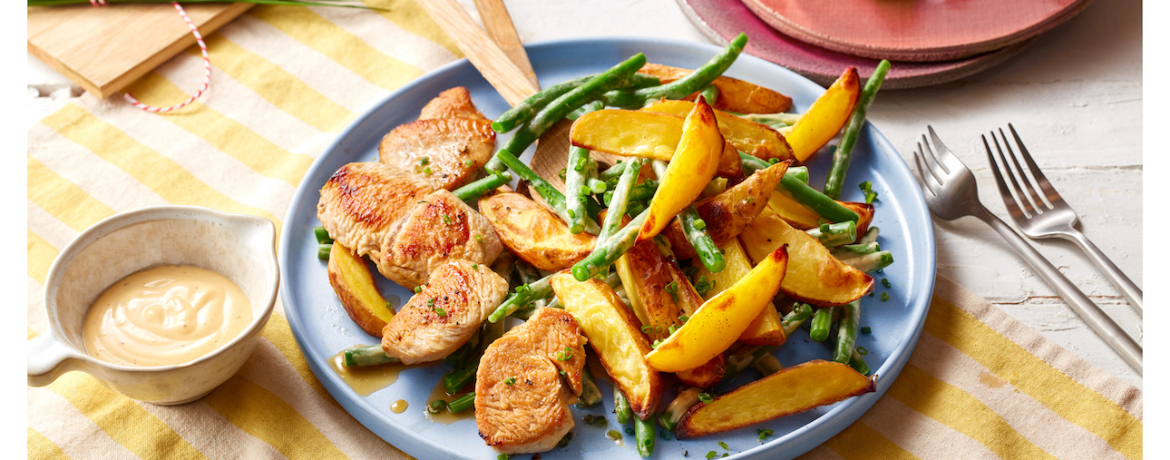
pixel 286 81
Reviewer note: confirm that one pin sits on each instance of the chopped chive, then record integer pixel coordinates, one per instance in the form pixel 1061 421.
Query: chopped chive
pixel 705 398
pixel 724 445
pixel 646 329
pixel 565 355
pixel 446 219
pixel 683 318
pixel 427 170
pixel 711 454
pixel 417 289
pixel 442 312
pixel 886 283
pixel 478 238
pixel 885 296
pixel 865 330
pixel 613 434
pixel 424 161
pixel 431 302
pixel 629 430
pixel 468 163
pixel 764 433
pixel 510 381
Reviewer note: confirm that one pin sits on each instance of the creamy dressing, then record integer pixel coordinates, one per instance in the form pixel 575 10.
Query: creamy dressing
pixel 165 315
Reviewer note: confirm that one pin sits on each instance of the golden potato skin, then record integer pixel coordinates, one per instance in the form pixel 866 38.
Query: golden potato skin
pixel 791 390
pixel 534 233
pixel 735 95
pixel 614 334
pixel 814 275
pixel 354 284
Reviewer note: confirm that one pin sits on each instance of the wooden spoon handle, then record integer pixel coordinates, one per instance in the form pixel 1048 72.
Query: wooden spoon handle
pixel 499 26
pixel 484 54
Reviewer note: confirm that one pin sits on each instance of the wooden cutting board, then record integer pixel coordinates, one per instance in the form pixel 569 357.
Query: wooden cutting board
pixel 105 49
pixel 920 31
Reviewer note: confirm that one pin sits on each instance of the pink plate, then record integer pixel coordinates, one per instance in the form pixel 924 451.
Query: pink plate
pixel 722 20
pixel 918 31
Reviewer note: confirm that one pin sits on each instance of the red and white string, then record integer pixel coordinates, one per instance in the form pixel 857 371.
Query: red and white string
pixel 206 65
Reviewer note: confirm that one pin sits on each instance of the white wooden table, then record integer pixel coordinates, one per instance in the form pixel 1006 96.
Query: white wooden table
pixel 1074 95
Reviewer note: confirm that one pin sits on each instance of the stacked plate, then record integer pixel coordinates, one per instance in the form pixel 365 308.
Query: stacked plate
pixel 929 41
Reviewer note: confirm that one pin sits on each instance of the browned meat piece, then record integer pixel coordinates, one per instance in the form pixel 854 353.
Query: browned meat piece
pixel 401 223
pixel 521 402
pixel 362 201
pixel 445 314
pixel 439 227
pixel 451 149
pixel 452 103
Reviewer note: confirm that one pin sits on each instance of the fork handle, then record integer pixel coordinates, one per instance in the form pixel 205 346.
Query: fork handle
pixel 1130 290
pixel 1092 314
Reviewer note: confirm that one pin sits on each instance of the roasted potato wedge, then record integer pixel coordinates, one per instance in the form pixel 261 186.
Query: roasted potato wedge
pixel 791 390
pixel 734 95
pixel 452 103
pixel 814 275
pixel 728 213
pixel 752 138
pixel 865 211
pixel 659 294
pixel 796 214
pixel 766 328
pixel 690 169
pixel 354 284
pixel 722 319
pixel 825 117
pixel 446 152
pixel 534 233
pixel 642 134
pixel 613 333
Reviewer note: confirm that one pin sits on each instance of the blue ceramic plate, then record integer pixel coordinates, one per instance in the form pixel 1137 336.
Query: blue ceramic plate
pixel 322 328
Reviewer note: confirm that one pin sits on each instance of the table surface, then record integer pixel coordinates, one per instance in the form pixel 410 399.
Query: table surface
pixel 1074 95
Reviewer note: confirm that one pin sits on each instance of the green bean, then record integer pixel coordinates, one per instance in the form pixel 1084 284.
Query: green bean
pixel 612 172
pixel 856 249
pixel 524 295
pixel 710 93
pixel 826 207
pixel 836 234
pixel 462 403
pixel 478 188
pixel 799 172
pixel 822 321
pixel 323 251
pixel 869 262
pixel 526 109
pixel 581 168
pixel 594 184
pixel 621 406
pixel 800 313
pixel 847 329
pixel 684 86
pixel 551 195
pixel 608 251
pixel 639 193
pixel 844 153
pixel 322 235
pixel 695 231
pixel 558 108
pixel 773 120
pixel 460 377
pixel 857 362
pixel 617 206
pixel 644 435
pixel 365 355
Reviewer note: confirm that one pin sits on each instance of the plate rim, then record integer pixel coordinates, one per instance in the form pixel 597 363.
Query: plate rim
pixel 796 442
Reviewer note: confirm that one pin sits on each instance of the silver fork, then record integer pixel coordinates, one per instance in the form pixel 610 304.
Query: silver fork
pixel 951 192
pixel 1048 217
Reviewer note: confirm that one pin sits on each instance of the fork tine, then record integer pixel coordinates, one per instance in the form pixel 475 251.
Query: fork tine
pixel 1020 197
pixel 938 145
pixel 922 173
pixel 1049 191
pixel 1035 199
pixel 1009 200
pixel 936 167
